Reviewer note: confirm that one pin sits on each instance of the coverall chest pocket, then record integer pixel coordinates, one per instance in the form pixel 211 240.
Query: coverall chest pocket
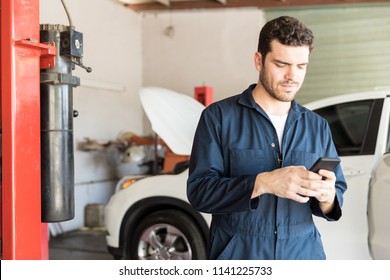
pixel 246 162
pixel 304 158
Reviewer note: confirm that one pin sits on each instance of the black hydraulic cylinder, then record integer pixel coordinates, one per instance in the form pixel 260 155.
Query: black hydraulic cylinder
pixel 57 148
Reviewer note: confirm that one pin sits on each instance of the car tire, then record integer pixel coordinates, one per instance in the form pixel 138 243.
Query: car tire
pixel 166 235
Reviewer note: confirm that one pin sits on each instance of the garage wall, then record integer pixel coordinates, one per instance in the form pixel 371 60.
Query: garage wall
pixel 216 48
pixel 107 99
pixel 127 50
pixel 184 49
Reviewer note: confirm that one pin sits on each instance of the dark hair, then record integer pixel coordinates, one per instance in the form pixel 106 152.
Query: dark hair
pixel 288 31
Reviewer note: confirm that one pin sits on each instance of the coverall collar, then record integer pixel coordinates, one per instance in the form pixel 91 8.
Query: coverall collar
pixel 246 99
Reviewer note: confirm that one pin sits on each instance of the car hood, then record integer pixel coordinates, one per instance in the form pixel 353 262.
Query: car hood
pixel 174 117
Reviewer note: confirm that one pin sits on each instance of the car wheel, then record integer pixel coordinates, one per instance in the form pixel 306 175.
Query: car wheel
pixel 167 235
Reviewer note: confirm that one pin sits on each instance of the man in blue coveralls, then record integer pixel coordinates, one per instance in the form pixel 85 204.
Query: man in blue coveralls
pixel 251 155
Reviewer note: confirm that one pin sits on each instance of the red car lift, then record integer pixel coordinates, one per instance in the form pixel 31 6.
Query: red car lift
pixel 24 236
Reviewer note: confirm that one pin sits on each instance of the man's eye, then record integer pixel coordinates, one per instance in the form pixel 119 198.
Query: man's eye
pixel 302 66
pixel 280 65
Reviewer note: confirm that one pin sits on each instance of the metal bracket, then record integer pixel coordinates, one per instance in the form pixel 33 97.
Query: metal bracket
pixel 59 78
pixel 48 51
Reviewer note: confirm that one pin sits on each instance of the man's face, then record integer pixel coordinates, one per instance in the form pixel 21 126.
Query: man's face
pixel 284 70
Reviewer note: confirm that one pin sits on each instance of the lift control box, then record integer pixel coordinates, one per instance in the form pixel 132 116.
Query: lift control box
pixel 71 43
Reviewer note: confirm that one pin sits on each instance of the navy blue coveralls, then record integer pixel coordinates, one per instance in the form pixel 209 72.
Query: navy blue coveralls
pixel 234 141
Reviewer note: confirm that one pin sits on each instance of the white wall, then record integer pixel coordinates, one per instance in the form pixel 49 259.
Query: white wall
pixel 128 50
pixel 107 99
pixel 211 47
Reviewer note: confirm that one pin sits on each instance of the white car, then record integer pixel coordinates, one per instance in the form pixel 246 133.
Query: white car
pixel 150 217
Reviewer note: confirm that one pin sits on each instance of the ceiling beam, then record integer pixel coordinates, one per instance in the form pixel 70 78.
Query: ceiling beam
pixel 164 2
pixel 187 5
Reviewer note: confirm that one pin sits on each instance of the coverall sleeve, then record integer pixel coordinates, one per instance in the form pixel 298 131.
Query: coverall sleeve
pixel 341 185
pixel 208 189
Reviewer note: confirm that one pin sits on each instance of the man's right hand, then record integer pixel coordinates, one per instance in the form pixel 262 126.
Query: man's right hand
pixel 292 182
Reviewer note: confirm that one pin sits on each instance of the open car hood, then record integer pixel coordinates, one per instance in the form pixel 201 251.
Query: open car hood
pixel 174 117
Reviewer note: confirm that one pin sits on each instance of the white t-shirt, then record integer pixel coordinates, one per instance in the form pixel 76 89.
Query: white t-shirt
pixel 279 122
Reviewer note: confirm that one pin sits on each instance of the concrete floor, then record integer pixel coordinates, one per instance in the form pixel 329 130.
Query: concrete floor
pixel 83 244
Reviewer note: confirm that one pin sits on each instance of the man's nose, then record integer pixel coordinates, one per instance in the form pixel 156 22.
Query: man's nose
pixel 291 74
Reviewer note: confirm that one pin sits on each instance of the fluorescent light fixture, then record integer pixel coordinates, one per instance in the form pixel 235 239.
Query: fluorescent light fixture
pixel 163 2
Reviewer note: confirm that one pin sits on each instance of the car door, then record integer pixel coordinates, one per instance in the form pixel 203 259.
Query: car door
pixel 354 127
pixel 379 203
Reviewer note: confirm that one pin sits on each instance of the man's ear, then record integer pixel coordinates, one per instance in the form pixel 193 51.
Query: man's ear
pixel 258 61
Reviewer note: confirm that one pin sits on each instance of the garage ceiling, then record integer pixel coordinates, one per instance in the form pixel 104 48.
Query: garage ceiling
pixel 161 5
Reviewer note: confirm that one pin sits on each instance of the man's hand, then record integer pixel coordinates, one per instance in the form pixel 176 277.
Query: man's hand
pixel 298 183
pixel 327 191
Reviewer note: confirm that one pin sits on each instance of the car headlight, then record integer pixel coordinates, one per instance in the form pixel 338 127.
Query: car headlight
pixel 126 182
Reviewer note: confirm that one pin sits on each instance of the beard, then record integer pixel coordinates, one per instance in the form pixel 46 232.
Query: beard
pixel 285 96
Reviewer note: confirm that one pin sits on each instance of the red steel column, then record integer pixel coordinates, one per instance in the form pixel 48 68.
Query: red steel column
pixel 23 234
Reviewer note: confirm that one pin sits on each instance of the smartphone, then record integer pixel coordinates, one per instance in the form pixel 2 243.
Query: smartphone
pixel 325 163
